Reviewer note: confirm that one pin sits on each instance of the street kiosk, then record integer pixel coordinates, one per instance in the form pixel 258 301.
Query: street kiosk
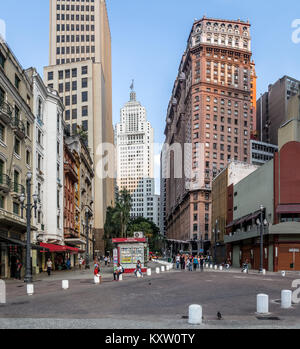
pixel 128 251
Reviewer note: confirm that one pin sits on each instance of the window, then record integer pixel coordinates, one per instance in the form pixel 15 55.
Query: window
pixel 84 96
pixel 17 81
pixel 17 146
pixel 85 110
pixel 84 83
pixel 2 133
pixel 28 157
pixel 84 70
pixel 16 208
pixel 50 75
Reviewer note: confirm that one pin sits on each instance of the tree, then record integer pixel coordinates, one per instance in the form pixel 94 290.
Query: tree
pixel 150 230
pixel 122 211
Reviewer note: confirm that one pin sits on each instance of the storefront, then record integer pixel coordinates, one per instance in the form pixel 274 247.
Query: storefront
pixel 59 256
pixel 129 251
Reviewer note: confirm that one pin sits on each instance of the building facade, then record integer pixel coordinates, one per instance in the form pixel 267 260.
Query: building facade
pixel 212 111
pixel 275 187
pixel 233 173
pixel 134 139
pixel 80 70
pixel 16 158
pixel 272 108
pixel 261 152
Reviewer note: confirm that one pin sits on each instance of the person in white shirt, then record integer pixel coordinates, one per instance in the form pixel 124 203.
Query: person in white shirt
pixel 49 266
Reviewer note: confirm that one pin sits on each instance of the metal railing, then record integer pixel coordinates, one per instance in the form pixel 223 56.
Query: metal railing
pixel 17 123
pixel 4 180
pixel 17 188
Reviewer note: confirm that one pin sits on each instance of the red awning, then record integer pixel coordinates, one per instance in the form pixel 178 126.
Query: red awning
pixel 282 209
pixel 59 248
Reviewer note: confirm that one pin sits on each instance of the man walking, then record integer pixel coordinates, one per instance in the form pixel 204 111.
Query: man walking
pixel 202 264
pixel 49 266
pixel 177 261
pixel 18 269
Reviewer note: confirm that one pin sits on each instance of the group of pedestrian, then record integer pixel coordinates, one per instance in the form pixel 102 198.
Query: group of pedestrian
pixel 189 262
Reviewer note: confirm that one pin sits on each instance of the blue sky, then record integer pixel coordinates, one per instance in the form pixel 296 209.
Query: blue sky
pixel 149 37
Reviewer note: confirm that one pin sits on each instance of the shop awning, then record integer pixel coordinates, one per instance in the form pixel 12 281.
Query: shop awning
pixel 59 248
pixel 286 209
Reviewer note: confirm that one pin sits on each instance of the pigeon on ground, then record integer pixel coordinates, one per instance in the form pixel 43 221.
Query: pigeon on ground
pixel 219 315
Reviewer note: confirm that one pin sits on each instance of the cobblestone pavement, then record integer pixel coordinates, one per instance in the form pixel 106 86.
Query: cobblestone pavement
pixel 159 301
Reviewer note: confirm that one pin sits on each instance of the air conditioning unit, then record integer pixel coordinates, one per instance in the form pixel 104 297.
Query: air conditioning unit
pixel 139 235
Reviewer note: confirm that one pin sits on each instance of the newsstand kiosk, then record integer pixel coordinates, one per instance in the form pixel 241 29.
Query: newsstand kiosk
pixel 128 251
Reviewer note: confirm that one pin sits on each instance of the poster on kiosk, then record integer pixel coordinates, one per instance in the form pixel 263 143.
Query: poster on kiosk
pixel 130 250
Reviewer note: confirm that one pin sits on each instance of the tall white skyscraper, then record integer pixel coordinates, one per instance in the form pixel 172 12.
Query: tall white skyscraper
pixel 134 138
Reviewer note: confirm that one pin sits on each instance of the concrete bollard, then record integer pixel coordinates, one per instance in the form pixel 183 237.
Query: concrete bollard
pixel 157 270
pixel 283 273
pixel 195 314
pixel 149 272
pixel 30 289
pixel 2 292
pixel 65 284
pixel 262 304
pixel 264 271
pixel 206 265
pixel 162 269
pixel 216 267
pixel 221 268
pixel 286 299
pixel 96 280
pixel 138 275
pixel 167 268
pixel 211 266
pixel 121 277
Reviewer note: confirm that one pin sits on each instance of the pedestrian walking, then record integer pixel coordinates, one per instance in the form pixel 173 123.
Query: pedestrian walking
pixel 195 263
pixel 80 263
pixel 202 263
pixel 177 261
pixel 18 269
pixel 138 269
pixel 68 264
pixel 49 266
pixel 106 260
pixel 182 262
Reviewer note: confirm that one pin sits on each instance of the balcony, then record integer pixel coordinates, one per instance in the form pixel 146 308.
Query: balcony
pixel 18 127
pixel 5 112
pixel 17 189
pixel 68 169
pixel 4 183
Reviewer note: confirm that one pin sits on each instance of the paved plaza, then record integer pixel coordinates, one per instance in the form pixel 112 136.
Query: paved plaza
pixel 157 302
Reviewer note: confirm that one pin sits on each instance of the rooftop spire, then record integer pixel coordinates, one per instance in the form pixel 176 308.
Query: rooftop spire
pixel 132 93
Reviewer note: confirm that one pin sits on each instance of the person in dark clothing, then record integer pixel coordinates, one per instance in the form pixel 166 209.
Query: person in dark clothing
pixel 182 263
pixel 18 269
pixel 202 263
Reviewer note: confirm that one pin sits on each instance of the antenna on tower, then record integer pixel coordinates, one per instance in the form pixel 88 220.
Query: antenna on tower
pixel 132 85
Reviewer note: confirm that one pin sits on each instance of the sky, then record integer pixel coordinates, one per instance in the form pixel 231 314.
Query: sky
pixel 150 36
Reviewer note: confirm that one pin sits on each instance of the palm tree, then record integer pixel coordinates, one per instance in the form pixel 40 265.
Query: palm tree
pixel 122 210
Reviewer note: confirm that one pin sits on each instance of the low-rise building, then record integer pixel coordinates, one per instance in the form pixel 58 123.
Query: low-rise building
pixel 267 199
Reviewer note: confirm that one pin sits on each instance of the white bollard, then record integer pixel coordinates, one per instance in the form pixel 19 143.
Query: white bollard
pixel 211 266
pixel 30 290
pixel 264 272
pixel 221 268
pixel 283 273
pixel 167 268
pixel 157 270
pixel 206 265
pixel 121 277
pixel 2 292
pixel 195 314
pixel 96 280
pixel 149 272
pixel 245 271
pixel 162 269
pixel 65 284
pixel 138 275
pixel 216 267
pixel 262 304
pixel 286 299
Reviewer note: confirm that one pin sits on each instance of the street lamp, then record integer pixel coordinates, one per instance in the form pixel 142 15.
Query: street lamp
pixel 88 215
pixel 261 223
pixel 28 207
pixel 216 231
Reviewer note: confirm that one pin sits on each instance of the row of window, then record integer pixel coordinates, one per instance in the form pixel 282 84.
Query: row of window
pixel 67 73
pixel 75 50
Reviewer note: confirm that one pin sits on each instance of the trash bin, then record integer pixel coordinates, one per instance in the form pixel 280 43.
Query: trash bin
pixel 169 260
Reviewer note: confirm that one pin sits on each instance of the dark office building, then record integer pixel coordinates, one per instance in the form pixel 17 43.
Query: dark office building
pixel 272 108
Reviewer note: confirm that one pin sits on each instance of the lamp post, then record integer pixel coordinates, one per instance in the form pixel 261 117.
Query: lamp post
pixel 261 224
pixel 88 215
pixel 28 206
pixel 216 232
